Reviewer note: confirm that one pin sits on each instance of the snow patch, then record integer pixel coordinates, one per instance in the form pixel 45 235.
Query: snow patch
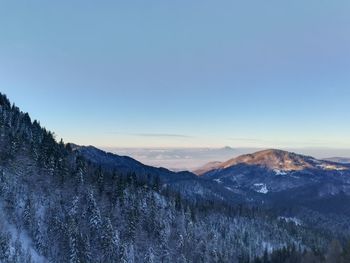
pixel 218 181
pixel 229 188
pixel 268 246
pixel 294 220
pixel 24 239
pixel 261 188
pixel 280 172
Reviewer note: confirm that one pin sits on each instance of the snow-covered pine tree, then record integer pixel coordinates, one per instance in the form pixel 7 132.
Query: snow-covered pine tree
pixel 149 257
pixel 73 242
pixel 108 241
pixel 95 220
pixel 5 246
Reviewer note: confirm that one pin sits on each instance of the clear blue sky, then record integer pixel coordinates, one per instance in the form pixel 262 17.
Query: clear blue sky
pixel 181 73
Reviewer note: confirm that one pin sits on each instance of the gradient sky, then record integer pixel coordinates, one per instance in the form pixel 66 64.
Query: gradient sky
pixel 181 73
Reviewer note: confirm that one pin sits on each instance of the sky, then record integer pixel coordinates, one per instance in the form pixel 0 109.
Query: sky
pixel 161 73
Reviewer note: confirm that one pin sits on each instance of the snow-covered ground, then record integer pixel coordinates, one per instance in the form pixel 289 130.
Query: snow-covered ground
pixel 280 172
pixel 22 237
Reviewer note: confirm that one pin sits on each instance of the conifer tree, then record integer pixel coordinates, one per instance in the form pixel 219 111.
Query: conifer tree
pixel 149 257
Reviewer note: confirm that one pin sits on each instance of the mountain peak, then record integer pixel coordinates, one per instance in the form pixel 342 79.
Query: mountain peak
pixel 272 159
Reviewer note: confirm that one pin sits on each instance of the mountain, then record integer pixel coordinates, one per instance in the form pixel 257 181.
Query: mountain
pixel 275 171
pixel 290 184
pixel 277 160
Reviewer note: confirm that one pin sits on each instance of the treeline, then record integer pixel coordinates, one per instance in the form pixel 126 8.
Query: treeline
pixel 335 253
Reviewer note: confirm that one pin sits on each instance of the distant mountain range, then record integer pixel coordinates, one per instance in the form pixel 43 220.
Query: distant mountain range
pixel 338 160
